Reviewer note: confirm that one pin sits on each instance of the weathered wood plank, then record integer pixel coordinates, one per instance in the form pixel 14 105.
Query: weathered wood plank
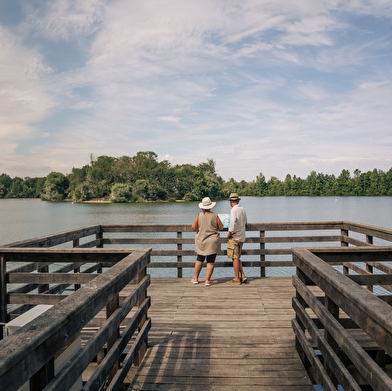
pixel 376 377
pixel 222 264
pixel 50 278
pixel 48 333
pixel 221 337
pixel 58 238
pixel 271 239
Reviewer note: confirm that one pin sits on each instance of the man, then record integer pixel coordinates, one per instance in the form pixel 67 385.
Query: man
pixel 236 238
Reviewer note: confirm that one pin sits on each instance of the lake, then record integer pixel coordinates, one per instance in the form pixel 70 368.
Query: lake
pixel 25 219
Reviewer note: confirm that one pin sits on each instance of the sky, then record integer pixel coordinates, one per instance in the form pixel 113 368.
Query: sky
pixel 260 86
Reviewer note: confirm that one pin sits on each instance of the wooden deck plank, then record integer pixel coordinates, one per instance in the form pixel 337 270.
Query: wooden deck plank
pixel 221 337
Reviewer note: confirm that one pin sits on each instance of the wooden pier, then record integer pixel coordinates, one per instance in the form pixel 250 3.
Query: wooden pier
pixel 328 324
pixel 221 337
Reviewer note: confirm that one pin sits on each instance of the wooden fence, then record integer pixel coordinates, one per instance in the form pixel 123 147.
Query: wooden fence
pixel 66 260
pixel 266 244
pixel 29 354
pixel 343 330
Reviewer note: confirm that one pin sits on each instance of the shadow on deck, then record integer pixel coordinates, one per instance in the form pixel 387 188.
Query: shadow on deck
pixel 221 337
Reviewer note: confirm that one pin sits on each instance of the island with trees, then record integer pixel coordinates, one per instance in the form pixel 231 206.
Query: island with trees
pixel 144 178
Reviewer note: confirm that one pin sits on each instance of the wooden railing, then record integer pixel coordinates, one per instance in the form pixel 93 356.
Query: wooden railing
pixel 58 262
pixel 29 353
pixel 343 330
pixel 266 244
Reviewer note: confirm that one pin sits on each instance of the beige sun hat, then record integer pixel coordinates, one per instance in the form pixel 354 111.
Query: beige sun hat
pixel 234 197
pixel 206 203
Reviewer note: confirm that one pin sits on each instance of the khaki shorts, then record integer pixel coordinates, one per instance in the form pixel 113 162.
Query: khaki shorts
pixel 234 248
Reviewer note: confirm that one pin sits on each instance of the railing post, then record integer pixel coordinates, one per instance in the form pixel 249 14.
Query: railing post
pixel 344 232
pixel 110 308
pixel 334 310
pixel 75 243
pixel 179 257
pixel 262 256
pixel 3 292
pixel 40 379
pixel 369 240
pixel 143 347
pixel 305 361
pixel 369 269
pixel 43 288
pixel 99 236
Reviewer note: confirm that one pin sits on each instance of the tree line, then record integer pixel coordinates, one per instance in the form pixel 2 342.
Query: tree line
pixel 143 178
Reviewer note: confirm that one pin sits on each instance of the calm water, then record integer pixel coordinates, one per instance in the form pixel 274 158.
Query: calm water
pixel 25 219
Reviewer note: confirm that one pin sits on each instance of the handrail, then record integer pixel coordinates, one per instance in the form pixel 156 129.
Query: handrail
pixel 263 241
pixel 33 345
pixel 360 307
pixel 263 247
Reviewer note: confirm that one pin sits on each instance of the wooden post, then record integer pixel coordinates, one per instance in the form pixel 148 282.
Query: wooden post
pixel 369 239
pixel 99 236
pixel 44 287
pixel 75 243
pixel 143 347
pixel 40 379
pixel 110 308
pixel 346 270
pixel 3 290
pixel 305 361
pixel 344 232
pixel 370 270
pixel 262 256
pixel 334 310
pixel 179 257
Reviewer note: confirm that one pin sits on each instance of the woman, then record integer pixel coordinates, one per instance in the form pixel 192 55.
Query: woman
pixel 207 243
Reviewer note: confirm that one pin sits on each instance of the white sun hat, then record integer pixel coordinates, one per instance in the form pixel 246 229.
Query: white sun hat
pixel 206 203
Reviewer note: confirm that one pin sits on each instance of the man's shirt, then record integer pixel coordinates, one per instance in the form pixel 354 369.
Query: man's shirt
pixel 237 222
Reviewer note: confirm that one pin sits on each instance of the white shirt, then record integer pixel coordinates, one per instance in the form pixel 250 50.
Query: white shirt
pixel 238 221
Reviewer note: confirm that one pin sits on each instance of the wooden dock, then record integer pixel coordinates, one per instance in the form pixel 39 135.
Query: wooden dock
pixel 221 337
pixel 333 316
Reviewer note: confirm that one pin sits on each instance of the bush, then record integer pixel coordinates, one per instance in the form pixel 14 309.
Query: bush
pixel 120 193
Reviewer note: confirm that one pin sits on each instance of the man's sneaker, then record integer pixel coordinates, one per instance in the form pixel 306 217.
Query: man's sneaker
pixel 234 282
pixel 195 280
pixel 244 280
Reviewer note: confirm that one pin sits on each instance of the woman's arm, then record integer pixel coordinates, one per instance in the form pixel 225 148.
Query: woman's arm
pixel 195 225
pixel 220 224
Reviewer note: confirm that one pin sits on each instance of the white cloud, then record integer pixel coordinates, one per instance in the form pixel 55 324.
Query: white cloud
pixel 23 97
pixel 196 80
pixel 170 118
pixel 65 19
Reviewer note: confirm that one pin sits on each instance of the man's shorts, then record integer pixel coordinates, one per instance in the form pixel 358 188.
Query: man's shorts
pixel 210 258
pixel 234 248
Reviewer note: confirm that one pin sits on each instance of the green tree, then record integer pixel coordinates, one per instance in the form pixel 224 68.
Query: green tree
pixel 56 186
pixel 140 190
pixel 143 163
pixel 357 187
pixel 343 183
pixel 101 176
pixel 261 185
pixel 16 189
pixel 120 193
pixel 5 184
pixel 275 187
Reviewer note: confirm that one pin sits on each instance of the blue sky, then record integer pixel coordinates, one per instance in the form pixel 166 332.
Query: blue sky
pixel 278 87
